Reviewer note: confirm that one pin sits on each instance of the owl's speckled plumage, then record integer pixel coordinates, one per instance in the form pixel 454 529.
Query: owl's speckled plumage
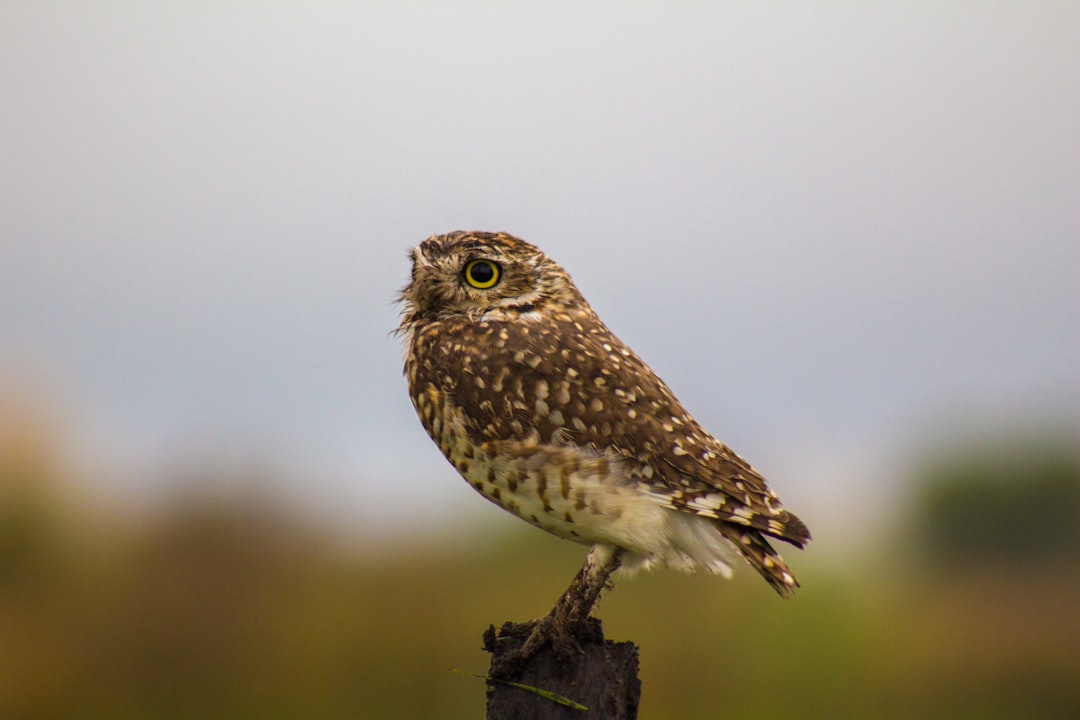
pixel 550 416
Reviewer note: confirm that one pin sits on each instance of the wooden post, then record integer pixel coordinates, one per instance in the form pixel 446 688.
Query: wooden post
pixel 602 677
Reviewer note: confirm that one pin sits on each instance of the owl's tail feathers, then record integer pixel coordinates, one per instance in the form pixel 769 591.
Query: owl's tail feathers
pixel 788 527
pixel 755 549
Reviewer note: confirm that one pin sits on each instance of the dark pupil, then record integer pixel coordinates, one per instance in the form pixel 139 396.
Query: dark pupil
pixel 482 272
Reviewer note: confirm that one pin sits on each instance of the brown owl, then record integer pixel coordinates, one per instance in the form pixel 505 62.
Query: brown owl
pixel 550 416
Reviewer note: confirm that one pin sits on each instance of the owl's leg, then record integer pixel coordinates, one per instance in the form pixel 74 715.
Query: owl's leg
pixel 569 619
pixel 575 605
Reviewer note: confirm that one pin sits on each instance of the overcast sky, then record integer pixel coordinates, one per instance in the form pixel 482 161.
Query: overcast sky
pixel 835 229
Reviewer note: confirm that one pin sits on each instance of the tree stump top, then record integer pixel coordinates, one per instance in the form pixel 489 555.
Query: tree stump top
pixel 602 677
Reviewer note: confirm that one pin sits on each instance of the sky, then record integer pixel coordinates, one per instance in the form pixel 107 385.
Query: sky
pixel 839 231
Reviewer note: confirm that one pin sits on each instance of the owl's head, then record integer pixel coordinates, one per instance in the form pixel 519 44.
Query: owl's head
pixel 483 274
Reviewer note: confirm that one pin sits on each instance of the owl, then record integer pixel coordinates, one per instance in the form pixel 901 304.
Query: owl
pixel 551 417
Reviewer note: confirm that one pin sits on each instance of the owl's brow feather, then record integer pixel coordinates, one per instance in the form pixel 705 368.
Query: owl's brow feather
pixel 496 243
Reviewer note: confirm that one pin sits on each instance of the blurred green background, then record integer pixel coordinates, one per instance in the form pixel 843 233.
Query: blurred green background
pixel 233 606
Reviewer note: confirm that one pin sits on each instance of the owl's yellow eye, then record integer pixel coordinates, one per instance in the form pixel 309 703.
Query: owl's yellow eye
pixel 482 274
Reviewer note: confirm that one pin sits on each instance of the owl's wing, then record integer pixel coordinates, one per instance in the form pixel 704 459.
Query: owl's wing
pixel 625 406
pixel 703 476
pixel 725 487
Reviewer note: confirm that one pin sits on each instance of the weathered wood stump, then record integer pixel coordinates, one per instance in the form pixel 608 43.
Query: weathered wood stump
pixel 602 677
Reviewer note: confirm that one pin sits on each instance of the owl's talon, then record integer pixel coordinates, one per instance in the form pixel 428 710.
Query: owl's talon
pixel 564 639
